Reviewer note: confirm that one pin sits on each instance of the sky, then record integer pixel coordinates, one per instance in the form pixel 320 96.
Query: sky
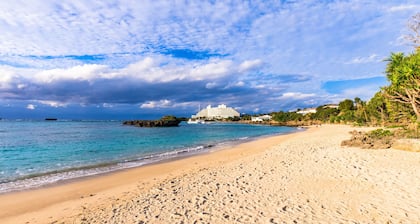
pixel 143 59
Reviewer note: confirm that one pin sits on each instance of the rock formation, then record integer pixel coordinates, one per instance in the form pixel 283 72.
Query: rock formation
pixel 167 121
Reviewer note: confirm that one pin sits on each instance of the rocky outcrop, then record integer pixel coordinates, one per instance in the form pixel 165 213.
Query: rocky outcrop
pixel 368 140
pixel 164 122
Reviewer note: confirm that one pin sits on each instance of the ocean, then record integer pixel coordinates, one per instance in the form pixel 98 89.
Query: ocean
pixel 36 153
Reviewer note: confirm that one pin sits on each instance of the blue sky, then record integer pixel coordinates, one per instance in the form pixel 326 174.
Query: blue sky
pixel 142 59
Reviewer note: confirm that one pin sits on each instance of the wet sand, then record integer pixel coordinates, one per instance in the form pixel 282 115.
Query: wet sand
pixel 304 177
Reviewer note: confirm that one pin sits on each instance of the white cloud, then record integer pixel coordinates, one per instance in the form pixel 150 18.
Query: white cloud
pixel 52 103
pixel 249 65
pixel 89 27
pixel 5 80
pixel 99 84
pixel 373 58
pixel 7 76
pixel 107 105
pixel 212 70
pixel 245 44
pixel 143 66
pixel 30 107
pixel 156 104
pixel 211 85
pixel 156 69
pixel 240 83
pixel 296 95
pixel 404 8
pixel 87 72
pixel 167 104
pixel 151 69
pixel 165 69
pixel 21 86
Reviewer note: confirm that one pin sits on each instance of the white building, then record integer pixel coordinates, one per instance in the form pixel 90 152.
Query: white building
pixel 307 111
pixel 331 106
pixel 221 111
pixel 261 118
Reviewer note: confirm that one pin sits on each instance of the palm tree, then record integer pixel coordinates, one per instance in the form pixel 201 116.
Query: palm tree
pixel 404 74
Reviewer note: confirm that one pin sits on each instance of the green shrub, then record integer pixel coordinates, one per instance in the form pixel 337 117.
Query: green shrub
pixel 380 133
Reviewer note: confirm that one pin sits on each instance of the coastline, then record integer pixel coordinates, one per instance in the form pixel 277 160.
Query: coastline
pixel 16 204
pixel 53 178
pixel 303 176
pixel 60 152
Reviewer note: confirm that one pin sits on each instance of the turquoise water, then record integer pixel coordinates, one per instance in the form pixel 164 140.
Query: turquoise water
pixel 35 153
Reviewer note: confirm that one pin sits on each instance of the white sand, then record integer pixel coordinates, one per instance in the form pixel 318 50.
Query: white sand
pixel 305 178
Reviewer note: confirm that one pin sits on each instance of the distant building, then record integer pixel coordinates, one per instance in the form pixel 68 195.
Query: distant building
pixel 307 111
pixel 219 112
pixel 331 106
pixel 261 118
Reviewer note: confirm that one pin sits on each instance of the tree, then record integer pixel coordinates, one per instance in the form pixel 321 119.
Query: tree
pixel 287 116
pixel 324 113
pixel 414 26
pixel 357 102
pixel 346 105
pixel 377 108
pixel 360 114
pixel 403 72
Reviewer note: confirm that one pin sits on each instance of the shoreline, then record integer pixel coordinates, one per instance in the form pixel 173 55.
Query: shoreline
pixel 304 177
pixel 72 189
pixel 92 171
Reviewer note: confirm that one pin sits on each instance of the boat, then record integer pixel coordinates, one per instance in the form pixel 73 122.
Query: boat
pixel 50 119
pixel 196 121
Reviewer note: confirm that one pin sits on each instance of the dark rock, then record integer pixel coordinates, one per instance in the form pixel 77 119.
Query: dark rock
pixel 167 121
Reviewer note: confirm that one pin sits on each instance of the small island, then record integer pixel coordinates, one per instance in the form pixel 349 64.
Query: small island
pixel 166 121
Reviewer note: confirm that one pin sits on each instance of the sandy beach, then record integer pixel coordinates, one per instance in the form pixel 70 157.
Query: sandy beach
pixel 305 177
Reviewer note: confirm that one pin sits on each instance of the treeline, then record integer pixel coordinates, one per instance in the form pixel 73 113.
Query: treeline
pixel 396 104
pixel 347 111
pixel 378 111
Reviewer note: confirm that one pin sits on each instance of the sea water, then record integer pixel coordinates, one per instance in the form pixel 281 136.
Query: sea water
pixel 35 153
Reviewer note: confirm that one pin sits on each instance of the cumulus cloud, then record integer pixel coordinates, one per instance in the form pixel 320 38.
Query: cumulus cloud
pixel 249 65
pixel 53 103
pixel 296 95
pixel 113 53
pixel 146 82
pixel 156 104
pixel 212 70
pixel 87 72
pixel 168 69
pixel 30 107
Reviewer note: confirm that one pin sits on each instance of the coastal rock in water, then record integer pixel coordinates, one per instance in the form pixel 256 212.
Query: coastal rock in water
pixel 167 121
